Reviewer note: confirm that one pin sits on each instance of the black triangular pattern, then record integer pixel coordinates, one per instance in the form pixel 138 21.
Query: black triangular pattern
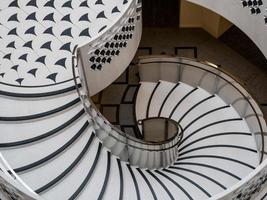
pixel 109 59
pixel 92 59
pixel 11 45
pixel 97 52
pixel 7 56
pixel 107 45
pixel 67 32
pixel 41 60
pixel 85 17
pixel 52 77
pixel 49 31
pixel 24 57
pixel 61 62
pixel 66 18
pixel 66 47
pixel 49 17
pixel 33 72
pixel 98 59
pixel 99 2
pixel 15 67
pixel 32 3
pixel 50 3
pixel 84 4
pixel 32 16
pixel 93 66
pixel 102 28
pixel 13 18
pixel 103 52
pixel 67 4
pixel 99 67
pixel 31 31
pixel 19 80
pixel 104 60
pixel 101 15
pixel 125 1
pixel 28 44
pixel 2 74
pixel 47 45
pixel 85 32
pixel 108 53
pixel 115 10
pixel 13 32
pixel 14 4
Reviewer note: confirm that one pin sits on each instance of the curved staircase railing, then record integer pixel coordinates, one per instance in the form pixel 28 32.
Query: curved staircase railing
pixel 250 111
pixel 219 82
pixel 135 151
pixel 214 80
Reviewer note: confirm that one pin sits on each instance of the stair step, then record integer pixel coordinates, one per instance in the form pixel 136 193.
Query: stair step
pixel 71 183
pixel 159 96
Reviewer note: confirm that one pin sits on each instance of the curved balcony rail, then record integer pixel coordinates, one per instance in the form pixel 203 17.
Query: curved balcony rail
pixel 137 152
pixel 214 80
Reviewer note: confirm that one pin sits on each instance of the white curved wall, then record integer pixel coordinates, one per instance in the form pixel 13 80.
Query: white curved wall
pixel 252 25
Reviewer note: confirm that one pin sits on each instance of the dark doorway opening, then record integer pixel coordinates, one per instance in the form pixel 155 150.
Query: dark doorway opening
pixel 161 13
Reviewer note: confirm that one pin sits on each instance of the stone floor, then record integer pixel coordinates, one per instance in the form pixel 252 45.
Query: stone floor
pixel 117 101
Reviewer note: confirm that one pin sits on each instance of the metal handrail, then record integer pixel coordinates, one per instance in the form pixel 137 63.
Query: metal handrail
pixel 221 71
pixel 130 138
pixel 207 63
pixel 73 71
pixel 76 56
pixel 136 140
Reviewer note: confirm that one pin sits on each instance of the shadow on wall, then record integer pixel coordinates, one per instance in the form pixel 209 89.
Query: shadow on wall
pixel 241 43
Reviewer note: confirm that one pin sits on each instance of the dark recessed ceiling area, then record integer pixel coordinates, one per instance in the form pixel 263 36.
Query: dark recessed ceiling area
pixel 161 13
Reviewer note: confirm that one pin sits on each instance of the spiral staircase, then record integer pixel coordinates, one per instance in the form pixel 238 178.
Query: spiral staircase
pixel 54 142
